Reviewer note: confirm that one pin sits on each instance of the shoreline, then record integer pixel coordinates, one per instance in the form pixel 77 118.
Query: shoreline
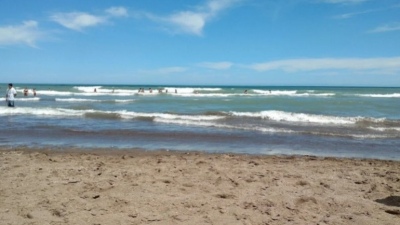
pixel 50 149
pixel 107 186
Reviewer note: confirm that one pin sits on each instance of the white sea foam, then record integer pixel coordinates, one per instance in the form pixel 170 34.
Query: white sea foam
pixel 298 117
pixel 123 113
pixel 65 93
pixel 103 94
pixel 344 134
pixel 76 100
pixel 316 95
pixel 218 125
pixel 291 93
pixel 87 88
pixel 394 95
pixel 41 111
pixel 147 93
pixel 189 90
pixel 128 115
pixel 208 89
pixel 28 99
pixel 117 91
pixel 385 129
pixel 273 115
pixel 54 93
pixel 370 136
pixel 124 101
pixel 185 122
pixel 206 95
pixel 281 116
pixel 275 92
pixel 23 99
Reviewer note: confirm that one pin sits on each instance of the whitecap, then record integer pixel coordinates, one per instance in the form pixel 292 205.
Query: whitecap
pixel 394 95
pixel 275 115
pixel 76 100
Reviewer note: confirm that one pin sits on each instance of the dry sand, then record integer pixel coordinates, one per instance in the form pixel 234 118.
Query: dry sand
pixel 47 187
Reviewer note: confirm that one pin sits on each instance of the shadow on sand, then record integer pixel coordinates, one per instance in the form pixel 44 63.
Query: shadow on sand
pixel 391 201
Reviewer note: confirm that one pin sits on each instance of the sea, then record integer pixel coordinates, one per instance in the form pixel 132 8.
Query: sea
pixel 350 122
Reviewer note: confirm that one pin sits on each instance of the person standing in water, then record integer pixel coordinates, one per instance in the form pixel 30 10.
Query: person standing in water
pixel 10 94
pixel 26 92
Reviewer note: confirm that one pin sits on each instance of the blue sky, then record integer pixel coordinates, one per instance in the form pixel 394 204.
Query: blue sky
pixel 201 42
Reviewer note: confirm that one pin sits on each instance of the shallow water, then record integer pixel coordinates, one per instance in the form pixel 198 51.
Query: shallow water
pixel 323 121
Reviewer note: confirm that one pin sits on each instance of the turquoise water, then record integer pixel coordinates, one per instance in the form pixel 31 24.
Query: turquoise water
pixel 323 121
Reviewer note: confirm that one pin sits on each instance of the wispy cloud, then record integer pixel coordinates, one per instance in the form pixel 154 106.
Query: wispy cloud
pixel 386 28
pixel 27 33
pixel 77 20
pixel 80 20
pixel 216 65
pixel 194 21
pixel 352 64
pixel 117 11
pixel 368 11
pixel 350 15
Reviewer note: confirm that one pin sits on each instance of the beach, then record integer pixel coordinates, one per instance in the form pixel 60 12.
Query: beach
pixel 108 186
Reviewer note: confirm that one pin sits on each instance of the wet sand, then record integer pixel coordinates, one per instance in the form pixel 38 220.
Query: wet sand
pixel 138 187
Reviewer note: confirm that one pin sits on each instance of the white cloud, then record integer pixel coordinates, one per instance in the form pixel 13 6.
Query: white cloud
pixel 217 65
pixel 77 20
pixel 193 22
pixel 81 20
pixel 117 11
pixel 28 33
pixel 386 28
pixel 189 22
pixel 383 65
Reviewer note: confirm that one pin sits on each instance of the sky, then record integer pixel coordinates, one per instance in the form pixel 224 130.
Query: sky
pixel 201 42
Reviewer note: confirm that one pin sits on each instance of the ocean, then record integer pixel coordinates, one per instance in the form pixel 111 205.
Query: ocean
pixel 360 122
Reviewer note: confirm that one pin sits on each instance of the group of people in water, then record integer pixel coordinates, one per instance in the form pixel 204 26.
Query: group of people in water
pixel 26 92
pixel 11 93
pixel 141 90
pixel 160 90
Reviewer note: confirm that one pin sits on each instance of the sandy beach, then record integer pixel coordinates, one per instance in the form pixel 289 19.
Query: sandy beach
pixel 140 187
